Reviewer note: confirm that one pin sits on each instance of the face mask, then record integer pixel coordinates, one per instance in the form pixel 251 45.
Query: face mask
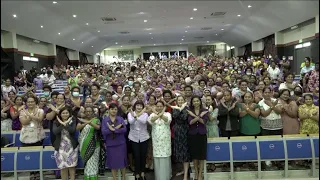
pixel 118 72
pixel 230 67
pixel 241 62
pixel 297 93
pixel 130 83
pixel 71 69
pixel 283 58
pixel 46 93
pixel 75 94
pixel 248 73
pixel 226 70
pixel 139 79
pixel 239 72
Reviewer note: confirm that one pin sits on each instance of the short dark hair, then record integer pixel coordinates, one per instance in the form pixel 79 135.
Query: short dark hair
pixel 54 93
pixel 137 103
pixel 47 87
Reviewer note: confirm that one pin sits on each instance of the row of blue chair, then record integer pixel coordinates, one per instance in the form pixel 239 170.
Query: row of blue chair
pixel 264 148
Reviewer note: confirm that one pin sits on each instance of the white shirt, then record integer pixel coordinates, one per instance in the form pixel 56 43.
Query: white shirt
pixel 273 120
pixel 161 136
pixel 273 73
pixel 306 69
pixel 49 80
pixel 138 128
pixel 151 57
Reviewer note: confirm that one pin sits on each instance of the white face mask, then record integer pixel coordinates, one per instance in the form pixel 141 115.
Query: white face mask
pixel 71 69
pixel 284 58
pixel 226 70
pixel 139 79
pixel 248 73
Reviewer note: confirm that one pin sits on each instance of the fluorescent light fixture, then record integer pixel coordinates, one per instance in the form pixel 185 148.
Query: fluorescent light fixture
pixel 14 15
pixel 298 46
pixel 294 27
pixel 307 44
pixel 191 18
pixel 195 9
pixel 249 6
pixel 232 47
pixel 26 58
pixel 74 16
pixel 145 20
pixel 239 15
pixel 54 2
pixel 141 13
pixel 41 26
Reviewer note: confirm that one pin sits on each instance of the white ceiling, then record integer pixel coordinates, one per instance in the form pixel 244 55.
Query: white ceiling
pixel 168 19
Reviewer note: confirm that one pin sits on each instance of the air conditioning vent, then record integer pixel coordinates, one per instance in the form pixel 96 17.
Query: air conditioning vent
pixel 124 32
pixel 199 37
pixel 113 22
pixel 133 41
pixel 216 15
pixel 206 28
pixel 108 19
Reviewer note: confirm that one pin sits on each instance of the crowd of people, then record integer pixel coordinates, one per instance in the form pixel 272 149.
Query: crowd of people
pixel 147 115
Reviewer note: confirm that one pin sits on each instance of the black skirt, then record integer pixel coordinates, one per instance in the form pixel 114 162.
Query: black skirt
pixel 198 146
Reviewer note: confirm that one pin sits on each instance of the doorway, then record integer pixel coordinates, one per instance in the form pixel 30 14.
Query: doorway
pixel 300 54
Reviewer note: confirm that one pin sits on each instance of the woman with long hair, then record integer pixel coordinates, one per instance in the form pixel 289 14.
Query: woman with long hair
pixel 89 143
pixel 289 114
pixel 15 113
pixel 65 143
pixel 197 137
pixel 139 137
pixel 309 116
pixel 114 129
pixel 161 139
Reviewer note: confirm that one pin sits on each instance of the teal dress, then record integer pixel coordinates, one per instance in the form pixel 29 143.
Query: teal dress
pixel 250 125
pixel 212 126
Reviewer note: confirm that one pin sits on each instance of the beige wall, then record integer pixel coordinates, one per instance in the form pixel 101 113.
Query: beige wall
pixel 257 45
pixel 27 45
pixel 108 55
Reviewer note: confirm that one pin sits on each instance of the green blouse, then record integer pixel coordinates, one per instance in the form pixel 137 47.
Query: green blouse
pixel 249 125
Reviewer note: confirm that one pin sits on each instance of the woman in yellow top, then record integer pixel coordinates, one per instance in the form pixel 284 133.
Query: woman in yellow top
pixel 309 116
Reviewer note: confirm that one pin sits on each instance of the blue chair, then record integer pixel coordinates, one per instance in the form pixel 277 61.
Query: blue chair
pixel 29 158
pixel 271 148
pixel 20 92
pixel 11 137
pixel 39 91
pixel 48 159
pixel 47 140
pixel 244 149
pixel 39 94
pixel 8 159
pixel 315 141
pixel 17 142
pixel 218 150
pixel 80 162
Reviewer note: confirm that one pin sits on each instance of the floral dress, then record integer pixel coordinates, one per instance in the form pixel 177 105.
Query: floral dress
pixel 308 126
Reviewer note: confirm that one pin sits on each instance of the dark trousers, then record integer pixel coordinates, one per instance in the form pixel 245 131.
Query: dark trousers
pixel 265 132
pixel 139 151
pixel 33 144
pixel 229 134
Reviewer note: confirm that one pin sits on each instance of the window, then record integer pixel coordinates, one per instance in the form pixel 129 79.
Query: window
pixel 307 44
pixel 27 58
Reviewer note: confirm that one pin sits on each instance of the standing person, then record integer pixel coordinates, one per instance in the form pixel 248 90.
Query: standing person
pixel 249 116
pixel 89 143
pixel 180 129
pixel 271 122
pixel 114 129
pixel 289 114
pixel 139 137
pixel 197 138
pixel 160 122
pixel 309 116
pixel 65 143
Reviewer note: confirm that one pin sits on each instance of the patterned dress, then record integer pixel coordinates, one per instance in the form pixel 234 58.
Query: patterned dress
pixel 308 126
pixel 180 129
pixel 66 157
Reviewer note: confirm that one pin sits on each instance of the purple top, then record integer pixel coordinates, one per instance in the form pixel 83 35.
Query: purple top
pixel 38 83
pixel 113 138
pixel 197 127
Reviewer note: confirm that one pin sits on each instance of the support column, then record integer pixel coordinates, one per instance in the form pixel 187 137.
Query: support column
pixel 52 54
pixel 257 47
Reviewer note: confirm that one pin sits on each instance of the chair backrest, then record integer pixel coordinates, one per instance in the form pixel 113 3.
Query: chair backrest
pixel 271 149
pixel 298 148
pixel 48 158
pixel 244 150
pixel 10 137
pixel 17 142
pixel 315 140
pixel 29 158
pixel 8 156
pixel 47 139
pixel 218 150
pixel 80 162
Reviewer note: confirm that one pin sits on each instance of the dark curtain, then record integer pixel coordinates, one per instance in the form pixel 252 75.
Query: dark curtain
pixel 62 56
pixel 269 46
pixel 247 51
pixel 83 58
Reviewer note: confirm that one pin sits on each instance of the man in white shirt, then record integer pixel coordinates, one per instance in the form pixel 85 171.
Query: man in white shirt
pixel 151 57
pixel 273 71
pixel 49 78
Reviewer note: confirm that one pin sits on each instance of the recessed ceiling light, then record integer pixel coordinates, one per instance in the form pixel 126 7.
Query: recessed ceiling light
pixel 74 15
pixel 141 13
pixel 183 36
pixel 98 31
pixel 152 38
pixel 154 44
pixel 87 24
pixel 191 18
pixel 41 26
pixel 222 29
pixel 182 39
pixel 180 43
pixel 81 42
pixel 186 31
pixel 116 42
pixel 120 46
pixel 73 39
pixel 188 27
pixel 150 33
pixel 14 15
pixel 54 2
pixel 249 6
pixel 216 34
pixel 59 33
pixel 145 20
pixel 91 46
pixel 195 9
pixel 207 41
pixel 239 15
